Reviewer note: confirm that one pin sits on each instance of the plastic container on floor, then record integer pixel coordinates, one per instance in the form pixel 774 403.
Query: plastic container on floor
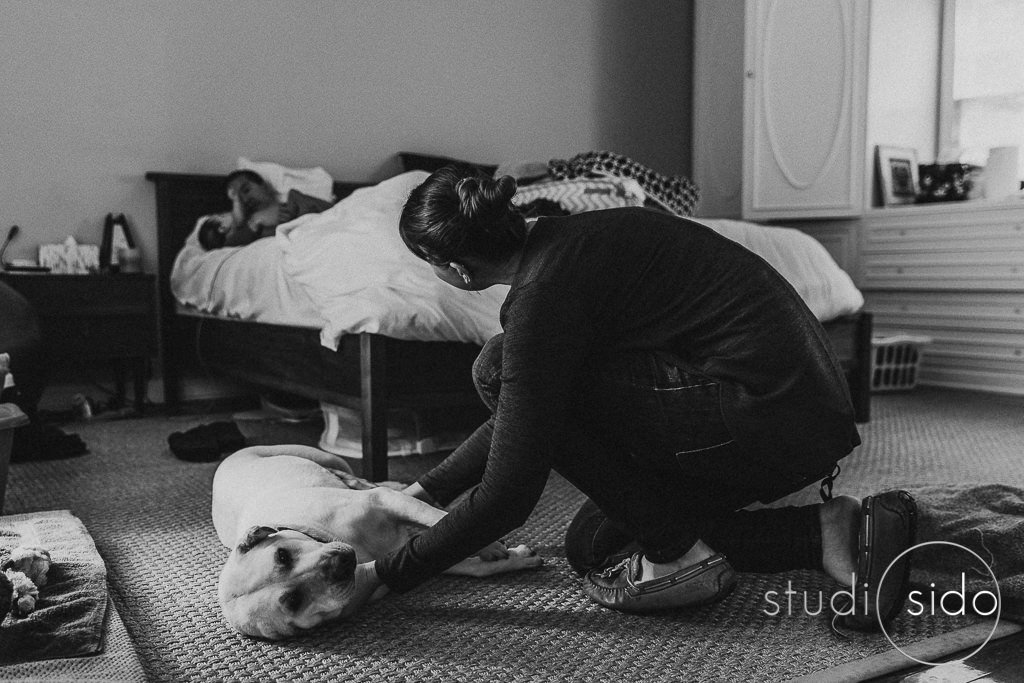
pixel 408 433
pixel 896 361
pixel 10 417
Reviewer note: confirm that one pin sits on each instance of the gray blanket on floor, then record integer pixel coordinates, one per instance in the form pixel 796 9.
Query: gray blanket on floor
pixel 988 519
pixel 70 614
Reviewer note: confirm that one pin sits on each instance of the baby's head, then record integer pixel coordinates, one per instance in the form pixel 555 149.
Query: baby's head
pixel 214 229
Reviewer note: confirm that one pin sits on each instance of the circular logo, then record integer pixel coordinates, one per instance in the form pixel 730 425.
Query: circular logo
pixel 995 582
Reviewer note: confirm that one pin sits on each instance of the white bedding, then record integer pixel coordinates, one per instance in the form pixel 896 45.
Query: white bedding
pixel 342 271
pixel 346 271
pixel 249 283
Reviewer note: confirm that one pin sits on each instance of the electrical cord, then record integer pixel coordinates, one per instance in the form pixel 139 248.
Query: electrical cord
pixel 11 234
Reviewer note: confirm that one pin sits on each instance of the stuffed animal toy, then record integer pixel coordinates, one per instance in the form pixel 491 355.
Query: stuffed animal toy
pixel 24 594
pixel 33 561
pixel 21 575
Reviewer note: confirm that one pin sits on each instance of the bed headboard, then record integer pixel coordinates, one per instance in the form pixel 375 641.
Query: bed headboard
pixel 181 199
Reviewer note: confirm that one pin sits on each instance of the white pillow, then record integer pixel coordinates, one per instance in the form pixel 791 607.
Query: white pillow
pixel 315 182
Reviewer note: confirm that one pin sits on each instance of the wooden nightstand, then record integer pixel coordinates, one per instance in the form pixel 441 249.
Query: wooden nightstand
pixel 89 318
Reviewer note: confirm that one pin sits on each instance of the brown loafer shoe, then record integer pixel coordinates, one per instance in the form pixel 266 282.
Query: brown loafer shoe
pixel 888 527
pixel 621 586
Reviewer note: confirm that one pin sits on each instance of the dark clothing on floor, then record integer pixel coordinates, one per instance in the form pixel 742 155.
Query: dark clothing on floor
pixel 669 373
pixel 21 338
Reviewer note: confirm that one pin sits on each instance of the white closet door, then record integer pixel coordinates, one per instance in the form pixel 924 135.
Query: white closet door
pixel 804 110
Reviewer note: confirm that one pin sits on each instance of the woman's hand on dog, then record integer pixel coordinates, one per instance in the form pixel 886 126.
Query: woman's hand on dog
pixel 360 484
pixel 419 493
pixel 518 558
pixel 494 551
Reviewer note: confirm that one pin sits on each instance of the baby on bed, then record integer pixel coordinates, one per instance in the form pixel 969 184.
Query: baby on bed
pixel 255 211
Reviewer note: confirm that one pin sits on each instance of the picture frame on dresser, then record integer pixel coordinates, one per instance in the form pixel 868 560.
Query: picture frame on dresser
pixel 897 174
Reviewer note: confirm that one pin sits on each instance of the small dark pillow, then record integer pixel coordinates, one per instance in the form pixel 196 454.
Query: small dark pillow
pixel 542 207
pixel 412 161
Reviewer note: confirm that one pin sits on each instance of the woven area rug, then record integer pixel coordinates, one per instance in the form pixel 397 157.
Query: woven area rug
pixel 149 516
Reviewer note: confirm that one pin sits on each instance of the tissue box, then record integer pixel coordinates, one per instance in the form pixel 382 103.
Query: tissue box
pixel 70 258
pixel 10 417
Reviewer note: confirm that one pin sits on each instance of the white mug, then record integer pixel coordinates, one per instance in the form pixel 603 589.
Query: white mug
pixel 129 260
pixel 1002 175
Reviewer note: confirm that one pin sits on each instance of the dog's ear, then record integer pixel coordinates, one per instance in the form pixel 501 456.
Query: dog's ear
pixel 253 536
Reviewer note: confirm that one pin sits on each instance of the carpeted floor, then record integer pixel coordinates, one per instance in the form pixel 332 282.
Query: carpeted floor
pixel 149 516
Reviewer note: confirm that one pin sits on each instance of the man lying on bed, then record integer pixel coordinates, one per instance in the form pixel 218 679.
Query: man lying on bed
pixel 255 211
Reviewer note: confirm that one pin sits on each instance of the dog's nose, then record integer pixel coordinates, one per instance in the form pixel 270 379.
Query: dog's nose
pixel 340 563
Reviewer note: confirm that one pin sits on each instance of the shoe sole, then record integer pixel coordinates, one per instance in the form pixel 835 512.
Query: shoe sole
pixel 898 509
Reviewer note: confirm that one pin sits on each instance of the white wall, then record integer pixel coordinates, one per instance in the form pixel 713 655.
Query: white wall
pixel 94 93
pixel 903 77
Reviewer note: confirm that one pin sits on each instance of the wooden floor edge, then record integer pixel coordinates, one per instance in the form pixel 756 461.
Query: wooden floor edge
pixel 928 650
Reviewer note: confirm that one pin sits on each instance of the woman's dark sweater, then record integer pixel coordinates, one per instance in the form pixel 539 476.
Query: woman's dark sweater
pixel 627 280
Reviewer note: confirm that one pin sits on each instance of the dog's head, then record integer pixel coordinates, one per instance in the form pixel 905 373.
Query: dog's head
pixel 278 582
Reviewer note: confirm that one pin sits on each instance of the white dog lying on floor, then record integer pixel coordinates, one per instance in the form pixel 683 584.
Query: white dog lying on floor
pixel 297 522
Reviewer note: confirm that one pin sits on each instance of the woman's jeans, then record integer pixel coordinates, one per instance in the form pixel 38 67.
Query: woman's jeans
pixel 648 445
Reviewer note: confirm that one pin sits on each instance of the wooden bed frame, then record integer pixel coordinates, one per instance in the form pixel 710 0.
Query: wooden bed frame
pixel 369 372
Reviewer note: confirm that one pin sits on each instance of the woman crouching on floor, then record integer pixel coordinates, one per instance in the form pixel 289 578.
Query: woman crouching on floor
pixel 672 376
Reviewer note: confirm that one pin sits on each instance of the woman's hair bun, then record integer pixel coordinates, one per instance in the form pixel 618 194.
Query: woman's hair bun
pixel 479 196
pixel 458 212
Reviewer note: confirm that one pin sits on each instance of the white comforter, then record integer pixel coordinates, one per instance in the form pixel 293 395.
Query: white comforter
pixel 346 271
pixel 343 271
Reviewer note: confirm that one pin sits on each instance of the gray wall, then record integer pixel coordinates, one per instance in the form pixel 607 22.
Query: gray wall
pixel 95 93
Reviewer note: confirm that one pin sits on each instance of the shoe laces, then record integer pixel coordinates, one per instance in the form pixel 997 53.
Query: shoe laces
pixel 614 570
pixel 825 490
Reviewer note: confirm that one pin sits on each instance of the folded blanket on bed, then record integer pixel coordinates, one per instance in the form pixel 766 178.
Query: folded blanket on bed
pixel 584 194
pixel 70 615
pixel 988 519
